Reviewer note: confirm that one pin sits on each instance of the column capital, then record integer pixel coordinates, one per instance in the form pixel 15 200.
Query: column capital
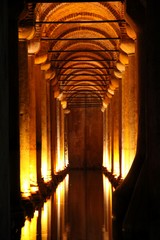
pixel 39 59
pixel 120 66
pixel 67 111
pixel 115 82
pixel 26 33
pixel 130 32
pixel 50 74
pixel 34 46
pixel 45 66
pixel 118 74
pixel 64 104
pixel 128 46
pixel 123 58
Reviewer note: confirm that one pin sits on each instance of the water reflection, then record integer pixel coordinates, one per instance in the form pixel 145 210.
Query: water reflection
pixel 79 209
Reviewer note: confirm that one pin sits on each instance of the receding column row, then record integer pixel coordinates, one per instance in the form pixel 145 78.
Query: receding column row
pixel 42 123
pixel 121 114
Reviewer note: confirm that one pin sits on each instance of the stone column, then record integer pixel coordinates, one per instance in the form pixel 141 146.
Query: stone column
pixel 49 99
pixel 44 157
pixel 66 137
pixel 104 139
pixel 32 123
pixel 53 132
pixel 112 127
pixel 62 138
pixel 112 134
pixel 46 101
pixel 24 119
pixel 58 145
pixel 125 124
pixel 38 82
pixel 109 137
pixel 116 132
pixel 133 104
pixel 129 108
pixel 39 78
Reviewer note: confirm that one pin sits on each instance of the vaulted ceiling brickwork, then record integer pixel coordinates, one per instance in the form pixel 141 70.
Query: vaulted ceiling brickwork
pixel 80 47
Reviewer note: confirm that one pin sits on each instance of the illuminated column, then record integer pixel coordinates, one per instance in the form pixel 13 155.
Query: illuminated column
pixel 66 112
pixel 104 139
pixel 108 134
pixel 45 127
pixel 62 138
pixel 133 104
pixel 60 119
pixel 33 47
pixel 118 83
pixel 107 128
pixel 27 175
pixel 114 135
pixel 54 110
pixel 129 101
pixel 46 121
pixel 58 153
pixel 116 132
pixel 125 116
pixel 24 120
pixel 32 167
pixel 53 132
pixel 111 133
pixel 112 127
pixel 30 228
pixel 46 220
pixel 39 78
pixel 109 137
pixel 44 157
pixel 49 167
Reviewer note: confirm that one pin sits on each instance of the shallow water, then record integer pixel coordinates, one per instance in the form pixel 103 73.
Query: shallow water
pixel 79 209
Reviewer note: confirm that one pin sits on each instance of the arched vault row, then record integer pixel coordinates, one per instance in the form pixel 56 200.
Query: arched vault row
pixel 79 47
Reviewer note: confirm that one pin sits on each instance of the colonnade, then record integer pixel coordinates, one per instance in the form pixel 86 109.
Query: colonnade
pixel 136 201
pixel 120 111
pixel 42 121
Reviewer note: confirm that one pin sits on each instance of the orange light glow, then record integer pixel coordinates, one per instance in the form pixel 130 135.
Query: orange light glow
pixel 46 219
pixel 116 168
pixel 28 179
pixel 24 173
pixel 34 189
pixel 107 226
pixel 44 170
pixel 29 230
pixel 60 165
pixel 60 201
pixel 25 188
pixel 106 158
pixel 127 159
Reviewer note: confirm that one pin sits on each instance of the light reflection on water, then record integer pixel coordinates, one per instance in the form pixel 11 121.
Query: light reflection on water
pixel 79 209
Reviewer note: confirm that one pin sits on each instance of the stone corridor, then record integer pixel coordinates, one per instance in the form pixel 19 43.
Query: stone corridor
pixel 80 90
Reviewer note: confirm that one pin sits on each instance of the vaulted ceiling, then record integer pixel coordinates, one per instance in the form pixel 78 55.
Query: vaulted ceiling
pixel 80 44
